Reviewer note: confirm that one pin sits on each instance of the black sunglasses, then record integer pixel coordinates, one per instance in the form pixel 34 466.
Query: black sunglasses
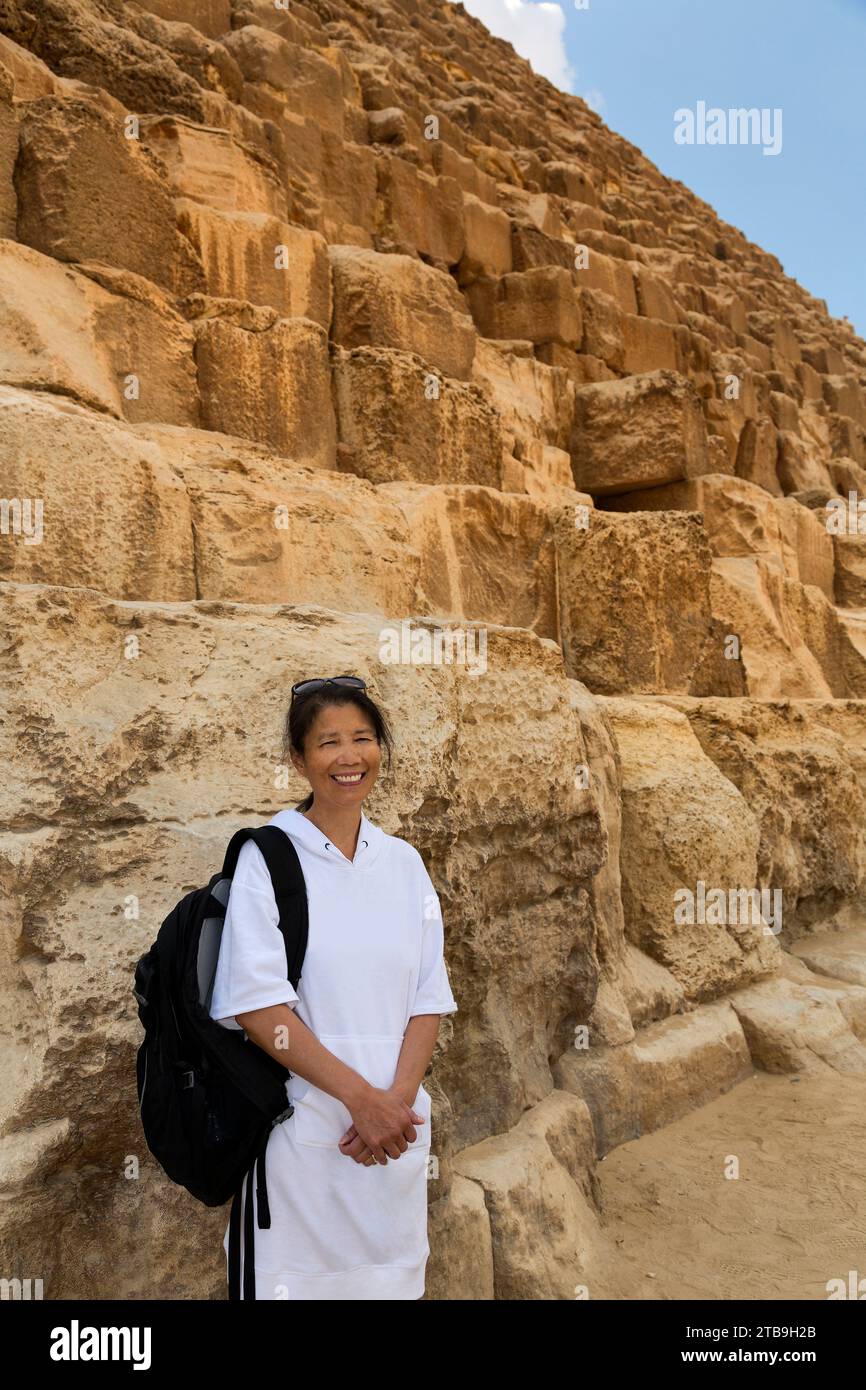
pixel 307 687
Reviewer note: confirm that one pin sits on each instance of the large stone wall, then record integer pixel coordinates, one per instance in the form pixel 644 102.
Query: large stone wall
pixel 316 321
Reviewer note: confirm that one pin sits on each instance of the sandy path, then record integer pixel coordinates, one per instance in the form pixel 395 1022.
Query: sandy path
pixel 794 1218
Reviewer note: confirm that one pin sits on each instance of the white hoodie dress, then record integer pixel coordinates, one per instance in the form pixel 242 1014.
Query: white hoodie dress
pixel 340 1229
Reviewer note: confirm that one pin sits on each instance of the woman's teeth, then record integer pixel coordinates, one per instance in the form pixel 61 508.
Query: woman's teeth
pixel 350 779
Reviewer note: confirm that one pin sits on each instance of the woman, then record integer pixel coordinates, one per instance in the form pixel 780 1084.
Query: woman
pixel 347 1171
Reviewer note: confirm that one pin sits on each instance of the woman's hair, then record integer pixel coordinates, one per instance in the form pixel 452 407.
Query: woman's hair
pixel 304 709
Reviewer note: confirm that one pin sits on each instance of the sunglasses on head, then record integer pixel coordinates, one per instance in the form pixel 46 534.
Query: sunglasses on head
pixel 308 687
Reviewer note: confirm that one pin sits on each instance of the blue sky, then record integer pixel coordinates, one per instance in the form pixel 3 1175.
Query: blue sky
pixel 638 61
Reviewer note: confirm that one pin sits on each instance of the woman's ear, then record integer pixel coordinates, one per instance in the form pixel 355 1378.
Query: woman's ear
pixel 297 762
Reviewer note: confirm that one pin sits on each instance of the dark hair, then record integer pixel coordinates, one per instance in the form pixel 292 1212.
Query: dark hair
pixel 302 715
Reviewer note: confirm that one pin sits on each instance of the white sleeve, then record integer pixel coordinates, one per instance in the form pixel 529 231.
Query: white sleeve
pixel 251 970
pixel 433 993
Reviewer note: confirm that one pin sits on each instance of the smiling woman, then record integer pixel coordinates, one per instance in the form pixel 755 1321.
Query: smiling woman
pixel 347 1170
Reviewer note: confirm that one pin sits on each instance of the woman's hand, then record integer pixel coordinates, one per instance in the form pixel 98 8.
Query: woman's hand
pixel 383 1124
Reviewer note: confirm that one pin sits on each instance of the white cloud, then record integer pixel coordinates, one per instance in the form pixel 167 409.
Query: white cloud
pixel 537 32
pixel 595 100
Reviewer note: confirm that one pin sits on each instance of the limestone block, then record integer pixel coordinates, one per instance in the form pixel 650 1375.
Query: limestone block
pixel 802 770
pixel 531 248
pixel 684 824
pixel 259 259
pixel 648 344
pixel 673 1066
pixel 847 439
pixel 537 305
pixel 547 474
pixel 464 569
pixel 794 1029
pixel 267 530
pixel 800 469
pixel 845 396
pixel 388 126
pixel 460 1266
pixel 634 600
pixel 639 432
pixel 208 63
pixel 610 276
pixel 333 180
pixel 398 302
pixel 398 421
pixel 654 297
pixel 813 546
pixel 543 1221
pixel 487 249
pixel 533 400
pixel 757 455
pixel 211 166
pixel 742 519
pixel 526 205
pixel 651 992
pixel 603 329
pixel 87 193
pixel 116 515
pixel 266 378
pixel 794 643
pixel 841 956
pixel 582 367
pixel 31 77
pixel 305 80
pixel 472 179
pixel 849 583
pixel 106 338
pixel 420 213
pixel 784 412
pixel 571 181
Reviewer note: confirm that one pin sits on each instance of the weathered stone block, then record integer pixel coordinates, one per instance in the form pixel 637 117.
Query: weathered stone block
pixel 537 305
pixel 421 214
pixel 304 79
pixel 266 378
pixel 487 249
pixel 396 420
pixel 398 302
pixel 639 432
pixel 634 600
pixel 260 260
pixel 106 338
pixel 116 515
pixel 533 400
pixel 213 167
pixel 684 823
pixel 87 193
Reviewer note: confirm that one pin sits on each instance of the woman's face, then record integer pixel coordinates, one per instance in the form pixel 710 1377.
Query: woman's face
pixel 341 744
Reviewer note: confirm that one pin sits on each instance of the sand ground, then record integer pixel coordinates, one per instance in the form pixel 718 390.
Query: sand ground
pixel 793 1219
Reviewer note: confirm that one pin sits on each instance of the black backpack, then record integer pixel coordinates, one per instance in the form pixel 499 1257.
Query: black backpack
pixel 209 1096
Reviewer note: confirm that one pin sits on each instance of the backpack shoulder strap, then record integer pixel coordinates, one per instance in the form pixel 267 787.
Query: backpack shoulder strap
pixel 290 889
